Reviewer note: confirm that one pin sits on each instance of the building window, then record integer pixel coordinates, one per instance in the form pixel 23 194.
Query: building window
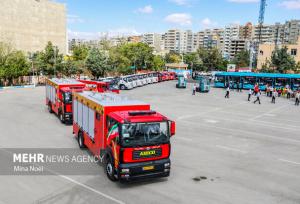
pixel 293 52
pixel 261 52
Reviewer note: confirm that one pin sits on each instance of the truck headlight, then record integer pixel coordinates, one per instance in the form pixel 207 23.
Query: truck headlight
pixel 167 164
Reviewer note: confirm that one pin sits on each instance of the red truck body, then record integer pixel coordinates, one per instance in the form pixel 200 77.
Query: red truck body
pixel 59 97
pixel 100 86
pixel 133 141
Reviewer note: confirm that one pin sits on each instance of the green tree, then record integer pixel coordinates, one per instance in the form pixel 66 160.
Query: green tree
pixel 158 63
pixel 97 62
pixel 211 58
pixel 282 61
pixel 193 60
pixel 16 65
pixel 80 52
pixel 173 57
pixel 139 54
pixel 242 59
pixel 49 60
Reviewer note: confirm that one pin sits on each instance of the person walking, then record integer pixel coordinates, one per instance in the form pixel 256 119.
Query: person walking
pixel 257 97
pixel 297 97
pixel 227 92
pixel 249 94
pixel 271 91
pixel 274 95
pixel 194 89
pixel 289 93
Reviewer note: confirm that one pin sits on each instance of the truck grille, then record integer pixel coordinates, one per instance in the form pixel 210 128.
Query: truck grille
pixel 145 154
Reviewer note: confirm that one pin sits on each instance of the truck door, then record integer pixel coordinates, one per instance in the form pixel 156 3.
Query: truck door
pixel 112 139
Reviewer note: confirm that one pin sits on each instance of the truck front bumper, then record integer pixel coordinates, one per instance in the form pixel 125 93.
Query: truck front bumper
pixel 143 170
pixel 68 117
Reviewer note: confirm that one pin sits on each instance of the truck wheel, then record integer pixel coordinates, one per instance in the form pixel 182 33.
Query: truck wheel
pixel 50 108
pixel 110 169
pixel 61 118
pixel 81 140
pixel 122 87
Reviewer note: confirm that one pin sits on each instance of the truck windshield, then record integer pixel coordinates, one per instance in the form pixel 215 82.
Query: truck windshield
pixel 67 97
pixel 143 134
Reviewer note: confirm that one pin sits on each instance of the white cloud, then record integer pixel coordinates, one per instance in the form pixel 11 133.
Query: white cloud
pixel 147 9
pixel 182 19
pixel 208 23
pixel 244 1
pixel 291 4
pixel 74 19
pixel 180 2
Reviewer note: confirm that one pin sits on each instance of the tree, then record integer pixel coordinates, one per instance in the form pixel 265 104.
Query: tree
pixel 80 52
pixel 173 57
pixel 211 58
pixel 157 63
pixel 139 54
pixel 282 60
pixel 49 61
pixel 193 60
pixel 242 59
pixel 97 62
pixel 16 65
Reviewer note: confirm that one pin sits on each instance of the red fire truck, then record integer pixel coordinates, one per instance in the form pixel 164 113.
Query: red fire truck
pixel 59 97
pixel 132 140
pixel 101 86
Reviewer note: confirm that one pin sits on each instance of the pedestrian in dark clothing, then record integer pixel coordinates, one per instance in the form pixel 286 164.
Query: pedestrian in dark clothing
pixel 249 94
pixel 297 96
pixel 257 98
pixel 227 92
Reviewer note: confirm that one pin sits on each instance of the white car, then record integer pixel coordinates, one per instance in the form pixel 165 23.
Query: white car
pixel 155 77
pixel 138 81
pixel 125 83
pixel 149 78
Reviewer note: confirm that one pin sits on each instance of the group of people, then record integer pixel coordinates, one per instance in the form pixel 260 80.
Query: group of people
pixel 271 92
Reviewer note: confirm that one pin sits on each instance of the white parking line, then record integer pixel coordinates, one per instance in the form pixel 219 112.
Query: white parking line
pixel 77 183
pixel 288 161
pixel 231 149
pixel 269 112
pixel 92 189
pixel 247 132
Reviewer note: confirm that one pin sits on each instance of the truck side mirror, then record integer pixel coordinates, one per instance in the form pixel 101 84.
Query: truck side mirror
pixel 172 128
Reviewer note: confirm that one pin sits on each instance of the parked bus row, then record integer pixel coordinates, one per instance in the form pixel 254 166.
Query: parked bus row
pixel 246 80
pixel 132 140
pixel 137 80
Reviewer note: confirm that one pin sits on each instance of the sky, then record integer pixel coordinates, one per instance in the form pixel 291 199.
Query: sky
pixel 89 18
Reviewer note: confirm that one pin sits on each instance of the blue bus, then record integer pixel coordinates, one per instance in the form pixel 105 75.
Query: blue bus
pixel 247 80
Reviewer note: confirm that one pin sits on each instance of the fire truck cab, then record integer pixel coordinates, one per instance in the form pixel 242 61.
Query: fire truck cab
pixel 132 140
pixel 59 97
pixel 101 86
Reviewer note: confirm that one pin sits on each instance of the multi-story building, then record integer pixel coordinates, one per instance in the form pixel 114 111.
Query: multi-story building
pixel 246 31
pixel 135 39
pixel 265 33
pixel 266 50
pixel 291 31
pixel 236 46
pixel 176 40
pixel 29 24
pixel 154 40
pixel 209 38
pixel 230 32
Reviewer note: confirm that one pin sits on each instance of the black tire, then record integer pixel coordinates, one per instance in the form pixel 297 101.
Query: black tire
pixel 110 169
pixel 122 87
pixel 61 118
pixel 81 140
pixel 50 108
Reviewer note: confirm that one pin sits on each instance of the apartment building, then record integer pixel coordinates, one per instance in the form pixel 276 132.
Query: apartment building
pixel 266 50
pixel 28 25
pixel 231 32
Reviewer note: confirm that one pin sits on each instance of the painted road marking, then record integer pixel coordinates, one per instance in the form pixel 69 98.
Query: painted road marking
pixel 92 189
pixel 269 112
pixel 78 183
pixel 211 121
pixel 289 161
pixel 231 149
pixel 248 132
